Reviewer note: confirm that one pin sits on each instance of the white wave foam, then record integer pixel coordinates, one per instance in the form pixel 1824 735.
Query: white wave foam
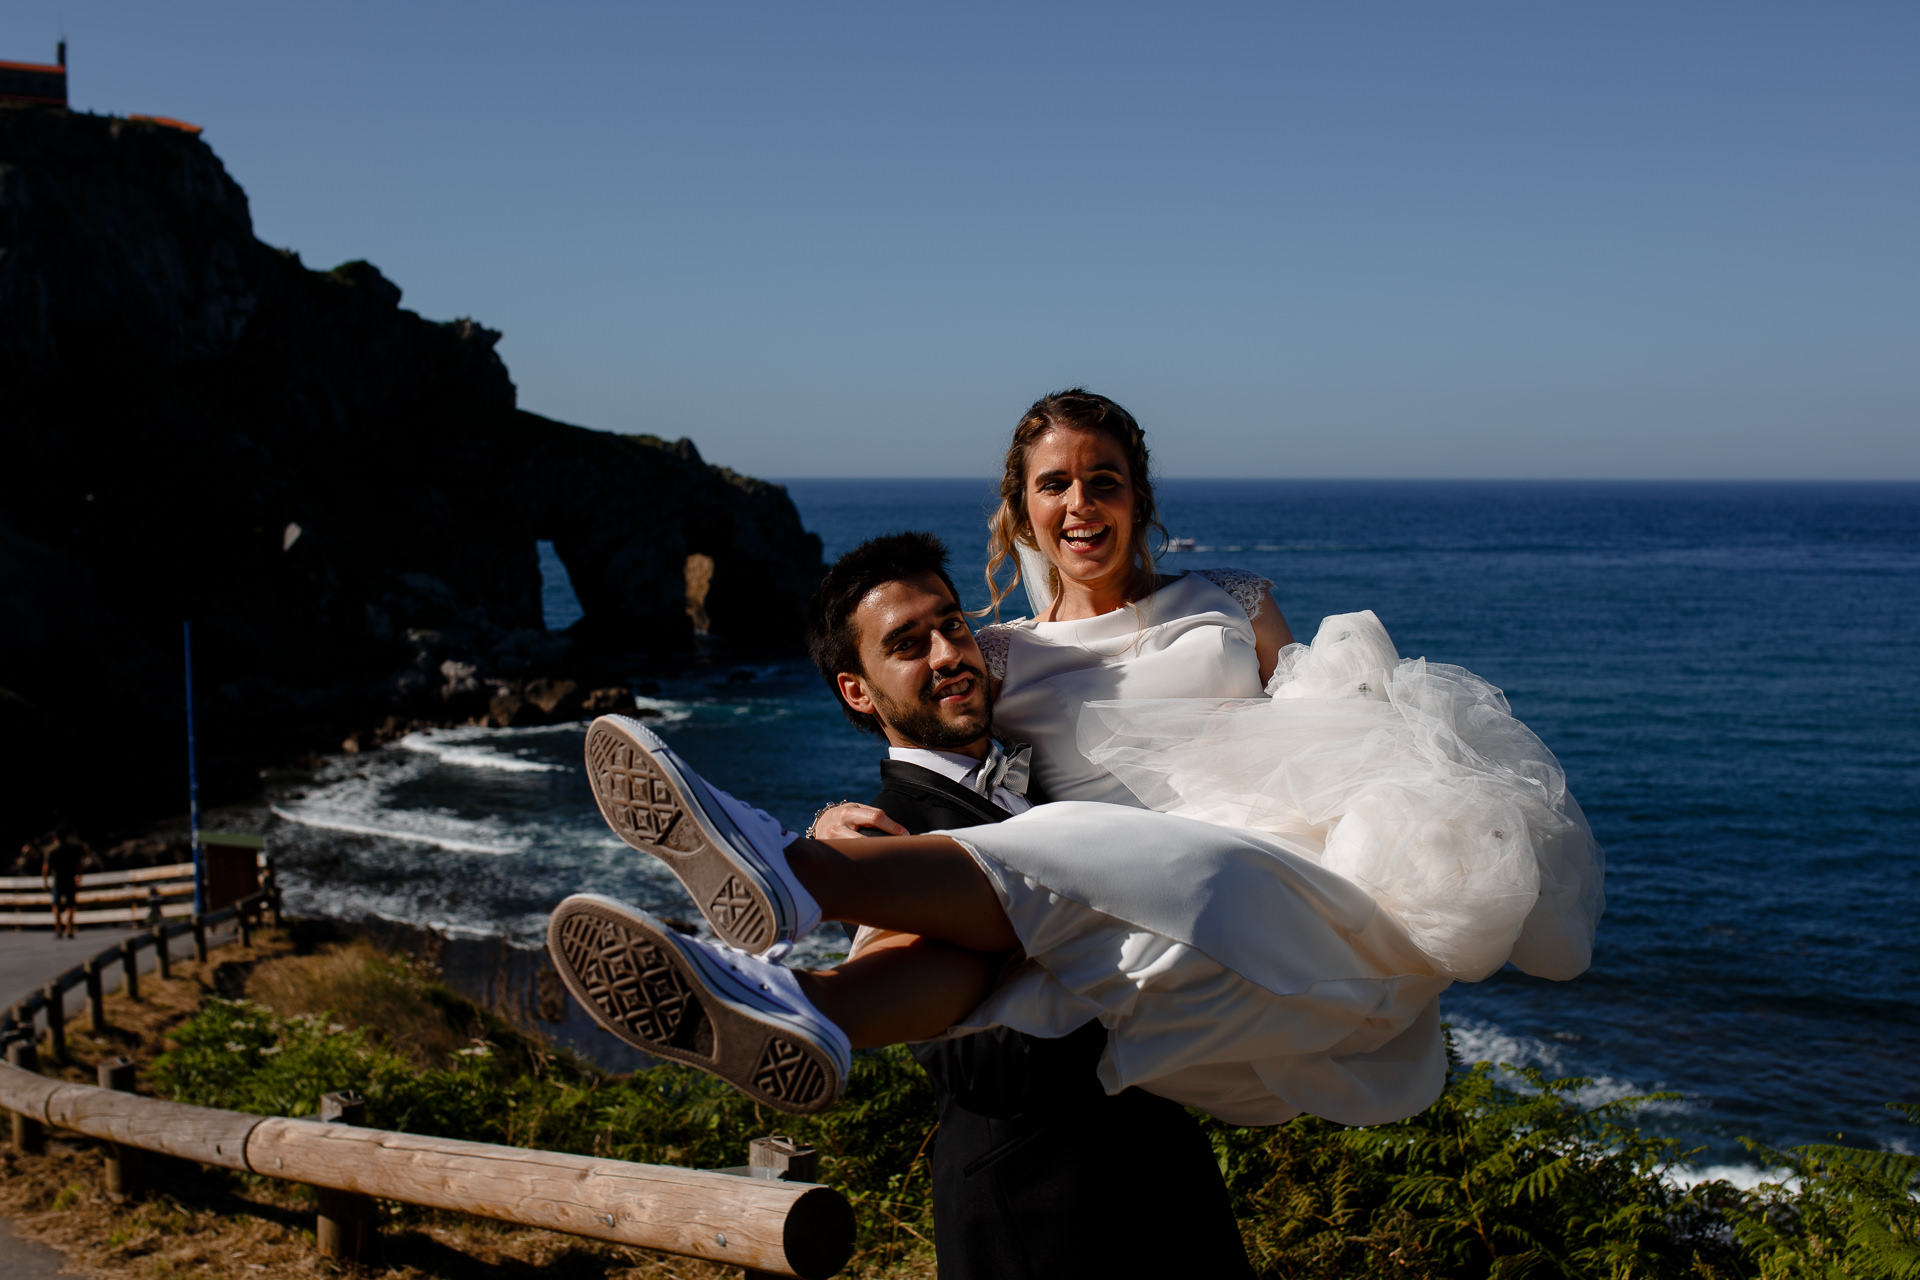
pixel 1604 1089
pixel 486 732
pixel 1743 1176
pixel 664 711
pixel 411 828
pixel 445 747
pixel 1483 1042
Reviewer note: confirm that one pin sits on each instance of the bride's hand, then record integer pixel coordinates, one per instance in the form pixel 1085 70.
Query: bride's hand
pixel 846 820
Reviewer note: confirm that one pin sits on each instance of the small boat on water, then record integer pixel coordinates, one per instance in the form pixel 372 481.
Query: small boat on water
pixel 1179 544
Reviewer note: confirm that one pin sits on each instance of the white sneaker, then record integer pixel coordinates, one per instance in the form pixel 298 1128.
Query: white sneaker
pixel 729 855
pixel 737 1016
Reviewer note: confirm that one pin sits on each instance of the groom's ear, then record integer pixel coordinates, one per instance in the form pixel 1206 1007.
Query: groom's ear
pixel 853 691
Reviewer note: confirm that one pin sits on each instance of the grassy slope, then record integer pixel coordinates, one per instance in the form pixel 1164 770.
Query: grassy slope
pixel 1504 1176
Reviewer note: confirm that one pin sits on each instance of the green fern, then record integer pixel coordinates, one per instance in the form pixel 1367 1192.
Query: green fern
pixel 1844 1211
pixel 1507 1175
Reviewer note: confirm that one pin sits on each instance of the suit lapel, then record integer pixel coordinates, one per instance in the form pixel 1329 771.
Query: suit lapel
pixel 902 773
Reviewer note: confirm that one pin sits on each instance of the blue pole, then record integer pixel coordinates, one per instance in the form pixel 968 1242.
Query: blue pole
pixel 193 783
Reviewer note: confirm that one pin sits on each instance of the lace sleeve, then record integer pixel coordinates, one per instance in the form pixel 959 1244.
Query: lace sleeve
pixel 1246 588
pixel 993 647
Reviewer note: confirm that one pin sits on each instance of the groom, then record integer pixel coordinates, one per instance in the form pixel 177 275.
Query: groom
pixel 1037 1172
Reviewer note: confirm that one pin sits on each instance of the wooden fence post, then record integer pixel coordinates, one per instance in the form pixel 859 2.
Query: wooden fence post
pixel 123 1162
pixel 130 968
pixel 242 917
pixel 344 1231
pixel 56 1021
pixel 29 1135
pixel 780 1158
pixel 163 959
pixel 199 938
pixel 96 995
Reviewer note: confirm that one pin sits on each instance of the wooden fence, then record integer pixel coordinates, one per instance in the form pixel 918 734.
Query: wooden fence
pixel 769 1221
pixel 141 895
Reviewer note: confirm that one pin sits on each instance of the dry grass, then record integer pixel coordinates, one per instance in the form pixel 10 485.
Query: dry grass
pixel 358 985
pixel 233 1228
pixel 138 1029
pixel 224 1226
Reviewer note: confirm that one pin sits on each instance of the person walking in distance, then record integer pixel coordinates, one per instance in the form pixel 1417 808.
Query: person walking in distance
pixel 60 874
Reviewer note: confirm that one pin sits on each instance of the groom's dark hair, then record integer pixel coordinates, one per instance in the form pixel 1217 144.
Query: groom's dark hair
pixel 833 641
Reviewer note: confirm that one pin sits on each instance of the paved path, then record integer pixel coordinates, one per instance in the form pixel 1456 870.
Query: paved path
pixel 29 959
pixel 27 1259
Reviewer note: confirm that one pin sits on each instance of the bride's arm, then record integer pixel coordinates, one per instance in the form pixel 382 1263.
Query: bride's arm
pixel 1270 634
pixel 846 820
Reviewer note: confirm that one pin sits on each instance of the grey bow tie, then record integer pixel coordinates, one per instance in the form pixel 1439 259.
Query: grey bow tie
pixel 1003 768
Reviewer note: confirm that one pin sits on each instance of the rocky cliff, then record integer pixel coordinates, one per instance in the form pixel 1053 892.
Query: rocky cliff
pixel 342 496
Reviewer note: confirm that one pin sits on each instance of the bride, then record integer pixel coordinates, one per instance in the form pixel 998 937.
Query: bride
pixel 1263 864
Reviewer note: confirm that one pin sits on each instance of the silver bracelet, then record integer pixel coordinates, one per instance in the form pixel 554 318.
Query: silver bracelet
pixel 821 810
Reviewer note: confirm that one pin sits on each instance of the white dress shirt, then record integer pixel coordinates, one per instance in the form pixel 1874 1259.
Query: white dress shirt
pixel 962 769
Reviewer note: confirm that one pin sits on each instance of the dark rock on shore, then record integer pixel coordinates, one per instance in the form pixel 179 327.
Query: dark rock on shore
pixel 342 497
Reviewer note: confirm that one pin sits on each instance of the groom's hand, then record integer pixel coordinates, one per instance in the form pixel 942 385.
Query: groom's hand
pixel 846 820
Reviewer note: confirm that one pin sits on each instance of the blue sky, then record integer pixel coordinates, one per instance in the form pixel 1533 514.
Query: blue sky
pixel 1391 239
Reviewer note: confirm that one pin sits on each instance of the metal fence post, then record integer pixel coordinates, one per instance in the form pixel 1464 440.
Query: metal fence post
pixel 344 1230
pixel 123 1163
pixel 242 913
pixel 199 938
pixel 29 1135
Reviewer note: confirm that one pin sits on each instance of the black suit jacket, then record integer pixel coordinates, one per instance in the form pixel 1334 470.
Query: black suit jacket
pixel 1037 1172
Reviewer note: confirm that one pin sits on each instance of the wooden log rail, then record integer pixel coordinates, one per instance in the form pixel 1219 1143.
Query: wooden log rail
pixel 107 897
pixel 772 1224
pixel 775 1227
pixel 135 875
pixel 139 894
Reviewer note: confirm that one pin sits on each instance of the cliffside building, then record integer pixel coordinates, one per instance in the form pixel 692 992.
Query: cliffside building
pixel 38 83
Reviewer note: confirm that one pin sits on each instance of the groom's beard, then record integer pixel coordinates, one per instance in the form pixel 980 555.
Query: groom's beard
pixel 920 722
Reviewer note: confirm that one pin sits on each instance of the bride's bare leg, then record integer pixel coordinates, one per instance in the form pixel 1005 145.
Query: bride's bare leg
pixel 926 885
pixel 901 988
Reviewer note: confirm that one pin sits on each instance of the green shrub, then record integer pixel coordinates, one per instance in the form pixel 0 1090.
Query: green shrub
pixel 505 1089
pixel 1844 1212
pixel 1507 1175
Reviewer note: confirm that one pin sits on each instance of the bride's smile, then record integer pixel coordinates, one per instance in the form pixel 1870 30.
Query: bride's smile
pixel 1081 504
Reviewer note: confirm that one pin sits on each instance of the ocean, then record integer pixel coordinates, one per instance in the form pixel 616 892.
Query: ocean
pixel 1727 671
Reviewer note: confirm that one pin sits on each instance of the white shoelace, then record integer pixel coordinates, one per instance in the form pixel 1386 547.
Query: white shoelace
pixel 772 839
pixel 782 988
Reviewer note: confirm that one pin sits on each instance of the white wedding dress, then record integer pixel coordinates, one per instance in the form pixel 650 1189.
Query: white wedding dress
pixel 1272 934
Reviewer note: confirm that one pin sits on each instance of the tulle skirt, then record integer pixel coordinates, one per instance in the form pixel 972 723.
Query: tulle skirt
pixel 1271 934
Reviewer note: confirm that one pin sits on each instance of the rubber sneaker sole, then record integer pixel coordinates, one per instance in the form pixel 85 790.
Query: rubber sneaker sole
pixel 630 972
pixel 651 804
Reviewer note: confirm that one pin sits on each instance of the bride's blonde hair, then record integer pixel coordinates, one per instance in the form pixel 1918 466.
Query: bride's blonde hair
pixel 1075 409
